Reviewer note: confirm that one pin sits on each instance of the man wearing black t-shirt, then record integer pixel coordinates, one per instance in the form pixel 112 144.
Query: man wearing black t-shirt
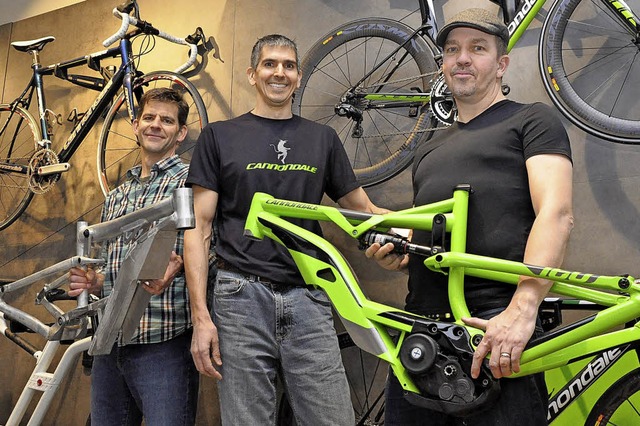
pixel 267 321
pixel 517 160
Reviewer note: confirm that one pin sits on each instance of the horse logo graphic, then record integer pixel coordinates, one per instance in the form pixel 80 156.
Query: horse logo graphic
pixel 281 150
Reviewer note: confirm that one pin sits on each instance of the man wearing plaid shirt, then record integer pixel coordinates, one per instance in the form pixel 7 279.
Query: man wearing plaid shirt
pixel 153 376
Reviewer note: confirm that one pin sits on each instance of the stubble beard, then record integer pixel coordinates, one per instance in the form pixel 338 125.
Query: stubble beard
pixel 463 90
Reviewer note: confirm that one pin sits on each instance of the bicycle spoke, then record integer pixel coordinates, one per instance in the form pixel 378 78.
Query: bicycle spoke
pixel 332 77
pixel 624 80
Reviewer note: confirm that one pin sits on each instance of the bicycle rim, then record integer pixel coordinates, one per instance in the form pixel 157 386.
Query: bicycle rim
pixel 620 404
pixel 18 143
pixel 590 65
pixel 390 133
pixel 118 149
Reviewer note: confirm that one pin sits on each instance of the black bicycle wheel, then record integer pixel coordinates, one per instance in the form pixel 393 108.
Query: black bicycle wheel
pixel 620 404
pixel 590 65
pixel 118 149
pixel 18 144
pixel 389 133
pixel 367 376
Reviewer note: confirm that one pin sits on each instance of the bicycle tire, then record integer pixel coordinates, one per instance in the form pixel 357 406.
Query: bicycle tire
pixel 118 149
pixel 18 144
pixel 620 404
pixel 590 66
pixel 367 376
pixel 344 56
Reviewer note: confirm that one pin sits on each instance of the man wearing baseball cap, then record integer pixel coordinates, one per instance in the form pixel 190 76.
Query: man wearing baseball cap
pixel 517 159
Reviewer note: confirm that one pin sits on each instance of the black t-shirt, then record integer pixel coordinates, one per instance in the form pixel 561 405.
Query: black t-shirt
pixel 294 159
pixel 489 153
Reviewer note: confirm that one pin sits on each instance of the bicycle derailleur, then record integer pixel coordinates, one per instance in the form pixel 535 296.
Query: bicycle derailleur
pixel 346 108
pixel 438 357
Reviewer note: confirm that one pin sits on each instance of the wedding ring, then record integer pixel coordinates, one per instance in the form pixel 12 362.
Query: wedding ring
pixel 505 354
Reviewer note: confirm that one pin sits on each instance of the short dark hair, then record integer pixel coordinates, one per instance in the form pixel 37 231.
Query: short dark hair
pixel 168 95
pixel 272 40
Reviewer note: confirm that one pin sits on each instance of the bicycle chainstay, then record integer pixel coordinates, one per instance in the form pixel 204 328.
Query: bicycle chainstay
pixel 438 357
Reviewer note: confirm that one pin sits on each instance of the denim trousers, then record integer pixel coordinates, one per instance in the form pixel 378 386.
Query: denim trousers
pixel 522 401
pixel 156 381
pixel 268 330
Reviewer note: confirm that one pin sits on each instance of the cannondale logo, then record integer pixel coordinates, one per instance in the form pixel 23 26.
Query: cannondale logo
pixel 281 150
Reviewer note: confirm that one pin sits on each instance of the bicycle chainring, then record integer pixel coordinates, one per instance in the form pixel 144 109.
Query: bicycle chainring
pixel 41 184
pixel 442 103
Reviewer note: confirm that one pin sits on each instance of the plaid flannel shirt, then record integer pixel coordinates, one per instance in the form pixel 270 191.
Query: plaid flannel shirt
pixel 167 314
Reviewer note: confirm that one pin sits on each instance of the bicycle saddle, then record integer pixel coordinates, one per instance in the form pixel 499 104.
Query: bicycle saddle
pixel 29 45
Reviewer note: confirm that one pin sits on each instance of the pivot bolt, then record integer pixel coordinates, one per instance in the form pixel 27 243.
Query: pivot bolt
pixel 476 339
pixel 624 283
pixel 416 353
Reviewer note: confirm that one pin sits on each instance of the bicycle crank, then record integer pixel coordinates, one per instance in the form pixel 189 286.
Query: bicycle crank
pixel 44 170
pixel 53 169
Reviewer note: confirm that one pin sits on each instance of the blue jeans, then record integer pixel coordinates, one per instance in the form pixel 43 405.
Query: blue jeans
pixel 156 381
pixel 266 330
pixel 522 401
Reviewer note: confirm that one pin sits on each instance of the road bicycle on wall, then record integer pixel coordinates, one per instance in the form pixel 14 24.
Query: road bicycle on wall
pixel 376 81
pixel 592 366
pixel 75 331
pixel 29 165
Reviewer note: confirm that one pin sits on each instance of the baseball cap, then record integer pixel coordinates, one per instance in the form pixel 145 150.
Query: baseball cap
pixel 480 19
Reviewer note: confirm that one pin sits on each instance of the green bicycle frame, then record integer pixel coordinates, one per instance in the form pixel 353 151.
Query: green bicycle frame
pixel 322 265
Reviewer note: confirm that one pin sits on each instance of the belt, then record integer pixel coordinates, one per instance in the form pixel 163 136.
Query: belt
pixel 226 266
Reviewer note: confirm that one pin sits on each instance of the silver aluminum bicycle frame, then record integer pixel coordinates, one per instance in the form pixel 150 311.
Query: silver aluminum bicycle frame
pixel 121 311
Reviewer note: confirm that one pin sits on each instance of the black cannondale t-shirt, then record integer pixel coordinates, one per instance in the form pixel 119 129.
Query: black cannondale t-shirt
pixel 294 159
pixel 489 153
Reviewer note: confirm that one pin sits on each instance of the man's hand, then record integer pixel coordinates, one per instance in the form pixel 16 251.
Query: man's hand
pixel 385 258
pixel 205 348
pixel 80 280
pixel 156 287
pixel 505 338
